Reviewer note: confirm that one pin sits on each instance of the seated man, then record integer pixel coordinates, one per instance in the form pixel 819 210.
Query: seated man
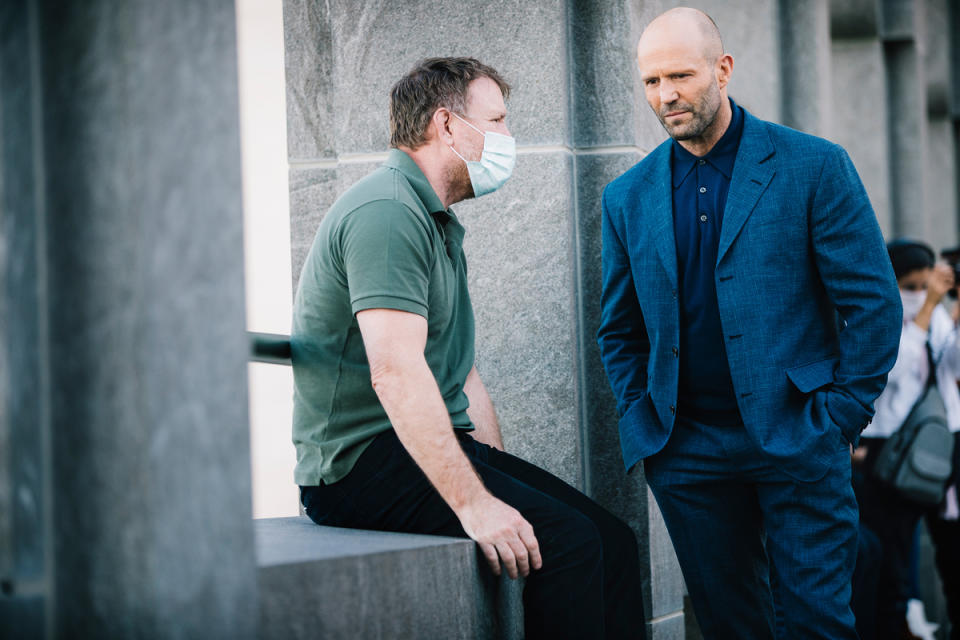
pixel 393 427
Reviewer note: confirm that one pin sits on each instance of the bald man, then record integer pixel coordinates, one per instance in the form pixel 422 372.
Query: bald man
pixel 749 319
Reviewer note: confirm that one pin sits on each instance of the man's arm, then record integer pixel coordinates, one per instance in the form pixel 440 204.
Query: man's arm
pixel 481 412
pixel 394 342
pixel 852 261
pixel 624 346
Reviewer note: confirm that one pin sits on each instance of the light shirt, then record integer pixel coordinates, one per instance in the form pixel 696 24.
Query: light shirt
pixel 909 375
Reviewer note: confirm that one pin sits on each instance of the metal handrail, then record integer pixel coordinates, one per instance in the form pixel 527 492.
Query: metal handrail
pixel 272 348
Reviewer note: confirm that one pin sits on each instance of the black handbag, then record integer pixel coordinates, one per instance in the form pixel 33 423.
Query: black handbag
pixel 917 460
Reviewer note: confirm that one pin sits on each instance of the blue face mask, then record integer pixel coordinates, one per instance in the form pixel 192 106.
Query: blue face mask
pixel 496 162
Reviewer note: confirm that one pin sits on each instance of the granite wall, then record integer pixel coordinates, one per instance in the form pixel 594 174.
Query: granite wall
pixel 850 71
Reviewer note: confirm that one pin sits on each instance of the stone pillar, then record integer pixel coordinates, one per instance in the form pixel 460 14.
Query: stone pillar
pixel 859 82
pixel 122 232
pixel 805 64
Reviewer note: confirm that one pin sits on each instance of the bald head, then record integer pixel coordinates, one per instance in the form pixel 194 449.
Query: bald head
pixel 685 73
pixel 686 27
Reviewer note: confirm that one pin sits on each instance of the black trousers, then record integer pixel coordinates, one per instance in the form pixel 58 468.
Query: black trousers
pixel 946 541
pixel 894 521
pixel 590 582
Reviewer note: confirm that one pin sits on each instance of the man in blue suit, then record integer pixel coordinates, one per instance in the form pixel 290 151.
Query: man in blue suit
pixel 750 317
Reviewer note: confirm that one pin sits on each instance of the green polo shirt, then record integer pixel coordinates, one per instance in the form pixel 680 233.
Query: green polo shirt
pixel 386 243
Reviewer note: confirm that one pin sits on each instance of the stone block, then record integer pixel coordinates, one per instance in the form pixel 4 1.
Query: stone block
pixel 603 56
pixel 521 253
pixel 750 33
pixel 941 190
pixel 372 45
pixel 149 447
pixel 898 19
pixel 346 583
pixel 805 59
pixel 308 45
pixel 607 478
pixel 908 138
pixel 859 80
pixel 854 18
pixel 936 57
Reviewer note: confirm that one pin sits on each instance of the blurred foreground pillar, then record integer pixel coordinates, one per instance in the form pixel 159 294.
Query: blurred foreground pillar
pixel 124 446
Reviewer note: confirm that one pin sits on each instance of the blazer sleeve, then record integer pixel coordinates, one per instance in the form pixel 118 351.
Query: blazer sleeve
pixel 624 345
pixel 852 260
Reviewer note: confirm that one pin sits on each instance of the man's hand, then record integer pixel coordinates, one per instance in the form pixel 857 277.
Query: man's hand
pixel 502 533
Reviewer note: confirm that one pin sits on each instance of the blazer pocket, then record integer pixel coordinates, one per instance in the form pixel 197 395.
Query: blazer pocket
pixel 813 375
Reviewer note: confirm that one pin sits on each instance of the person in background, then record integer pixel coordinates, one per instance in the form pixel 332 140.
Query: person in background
pixel 923 285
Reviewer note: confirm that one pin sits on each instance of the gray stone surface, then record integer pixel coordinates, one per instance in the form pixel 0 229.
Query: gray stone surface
pixel 936 57
pixel 343 584
pixel 309 81
pixel 750 33
pixel 603 73
pixel 149 454
pixel 520 249
pixel 667 596
pixel 374 44
pixel 940 178
pixel 860 84
pixel 854 18
pixel 908 138
pixel 806 66
pixel 899 18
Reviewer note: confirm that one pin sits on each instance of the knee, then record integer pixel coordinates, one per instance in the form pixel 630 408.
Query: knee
pixel 576 537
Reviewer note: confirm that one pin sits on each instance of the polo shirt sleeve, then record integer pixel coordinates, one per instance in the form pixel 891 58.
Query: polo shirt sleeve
pixel 386 252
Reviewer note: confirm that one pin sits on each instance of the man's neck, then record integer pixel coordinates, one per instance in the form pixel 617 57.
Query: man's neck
pixel 431 163
pixel 702 144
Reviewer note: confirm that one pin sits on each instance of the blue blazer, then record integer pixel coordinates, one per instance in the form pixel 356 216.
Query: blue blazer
pixel 809 305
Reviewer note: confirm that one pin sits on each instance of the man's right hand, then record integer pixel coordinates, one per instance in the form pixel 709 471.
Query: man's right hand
pixel 502 533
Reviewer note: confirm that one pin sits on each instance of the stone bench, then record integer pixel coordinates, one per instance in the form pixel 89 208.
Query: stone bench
pixel 345 584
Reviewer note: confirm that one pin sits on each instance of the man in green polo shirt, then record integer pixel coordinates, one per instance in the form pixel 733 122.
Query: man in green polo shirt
pixel 393 427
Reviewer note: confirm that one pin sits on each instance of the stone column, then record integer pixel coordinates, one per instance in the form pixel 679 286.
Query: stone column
pixel 805 64
pixel 122 236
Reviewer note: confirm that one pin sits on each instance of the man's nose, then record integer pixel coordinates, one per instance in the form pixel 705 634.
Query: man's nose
pixel 668 92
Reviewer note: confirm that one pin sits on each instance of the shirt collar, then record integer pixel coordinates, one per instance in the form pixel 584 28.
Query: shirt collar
pixel 403 163
pixel 721 157
pixel 449 224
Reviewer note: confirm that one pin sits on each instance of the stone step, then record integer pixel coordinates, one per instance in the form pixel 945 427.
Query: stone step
pixel 340 584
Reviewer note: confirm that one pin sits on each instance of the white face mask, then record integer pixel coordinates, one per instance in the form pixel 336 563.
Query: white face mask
pixel 496 162
pixel 912 302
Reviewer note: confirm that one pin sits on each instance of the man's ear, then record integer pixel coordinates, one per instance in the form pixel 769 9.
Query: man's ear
pixel 724 69
pixel 440 123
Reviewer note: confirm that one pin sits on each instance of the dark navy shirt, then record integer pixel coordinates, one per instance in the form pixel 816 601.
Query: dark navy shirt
pixel 700 187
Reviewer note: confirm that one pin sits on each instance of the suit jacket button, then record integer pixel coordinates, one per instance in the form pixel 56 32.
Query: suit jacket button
pixel 673 409
pixel 676 352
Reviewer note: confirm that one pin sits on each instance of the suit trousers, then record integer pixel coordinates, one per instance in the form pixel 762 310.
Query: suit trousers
pixel 763 554
pixel 590 583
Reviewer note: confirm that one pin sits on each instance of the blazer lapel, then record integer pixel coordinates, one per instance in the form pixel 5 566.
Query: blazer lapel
pixel 752 173
pixel 658 203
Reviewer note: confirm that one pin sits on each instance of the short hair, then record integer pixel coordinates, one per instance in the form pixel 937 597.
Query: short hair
pixel 431 84
pixel 907 256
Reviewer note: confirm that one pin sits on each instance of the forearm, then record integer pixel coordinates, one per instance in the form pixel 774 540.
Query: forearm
pixel 412 400
pixel 481 412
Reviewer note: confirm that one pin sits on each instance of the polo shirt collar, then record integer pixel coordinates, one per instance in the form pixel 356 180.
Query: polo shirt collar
pixel 452 230
pixel 722 156
pixel 403 163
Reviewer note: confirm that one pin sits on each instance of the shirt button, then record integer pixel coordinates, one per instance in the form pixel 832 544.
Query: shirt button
pixel 703 217
pixel 701 162
pixel 703 189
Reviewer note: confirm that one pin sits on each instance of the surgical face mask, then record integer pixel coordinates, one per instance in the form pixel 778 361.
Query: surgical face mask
pixel 912 302
pixel 496 162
